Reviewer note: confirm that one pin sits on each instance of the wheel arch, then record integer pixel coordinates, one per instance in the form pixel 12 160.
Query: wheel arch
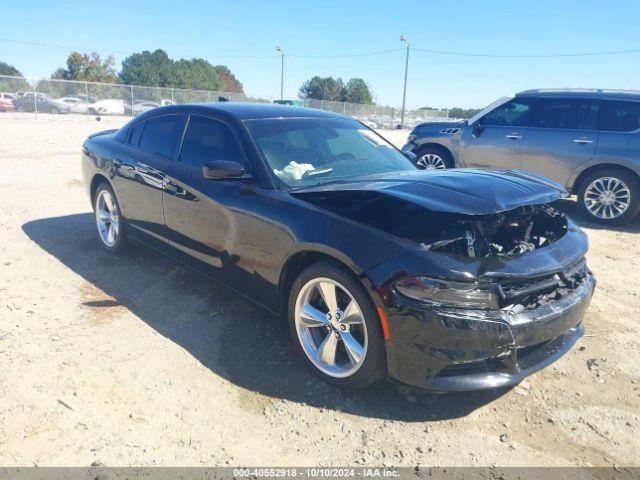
pixel 600 166
pixel 432 144
pixel 303 259
pixel 97 179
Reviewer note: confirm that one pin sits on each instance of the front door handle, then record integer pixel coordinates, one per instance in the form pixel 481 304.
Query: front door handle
pixel 514 136
pixel 582 141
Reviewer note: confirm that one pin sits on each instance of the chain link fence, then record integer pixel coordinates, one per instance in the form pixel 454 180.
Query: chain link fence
pixel 91 98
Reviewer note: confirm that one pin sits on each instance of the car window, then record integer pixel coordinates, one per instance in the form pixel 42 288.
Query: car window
pixel 136 133
pixel 515 113
pixel 563 113
pixel 206 140
pixel 313 151
pixel 160 135
pixel 620 116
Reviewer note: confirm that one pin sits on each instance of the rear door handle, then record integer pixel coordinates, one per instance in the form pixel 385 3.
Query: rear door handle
pixel 582 141
pixel 514 136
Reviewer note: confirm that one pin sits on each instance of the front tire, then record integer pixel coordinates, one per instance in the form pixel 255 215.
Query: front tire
pixel 610 196
pixel 433 158
pixel 335 327
pixel 55 110
pixel 109 221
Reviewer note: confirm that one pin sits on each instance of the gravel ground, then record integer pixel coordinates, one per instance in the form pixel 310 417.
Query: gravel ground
pixel 133 360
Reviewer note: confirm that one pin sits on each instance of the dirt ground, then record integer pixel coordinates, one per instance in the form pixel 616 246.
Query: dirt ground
pixel 134 360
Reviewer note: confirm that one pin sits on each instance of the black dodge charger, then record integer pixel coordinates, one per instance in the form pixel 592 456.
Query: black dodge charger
pixel 446 280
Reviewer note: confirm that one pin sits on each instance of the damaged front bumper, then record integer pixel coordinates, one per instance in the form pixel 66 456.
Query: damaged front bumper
pixel 452 349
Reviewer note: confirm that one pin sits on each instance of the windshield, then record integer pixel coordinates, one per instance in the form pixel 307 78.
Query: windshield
pixel 312 151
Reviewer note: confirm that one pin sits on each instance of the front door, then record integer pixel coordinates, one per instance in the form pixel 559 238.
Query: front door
pixel 204 217
pixel 497 141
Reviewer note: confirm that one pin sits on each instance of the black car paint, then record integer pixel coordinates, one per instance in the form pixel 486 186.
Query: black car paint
pixel 249 233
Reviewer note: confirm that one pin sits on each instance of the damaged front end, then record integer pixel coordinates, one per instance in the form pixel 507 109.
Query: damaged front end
pixel 479 300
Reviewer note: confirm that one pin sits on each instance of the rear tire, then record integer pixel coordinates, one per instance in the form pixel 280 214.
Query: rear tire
pixel 610 196
pixel 109 222
pixel 348 365
pixel 432 157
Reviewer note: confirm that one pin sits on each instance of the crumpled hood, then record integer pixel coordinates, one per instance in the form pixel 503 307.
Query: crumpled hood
pixel 464 191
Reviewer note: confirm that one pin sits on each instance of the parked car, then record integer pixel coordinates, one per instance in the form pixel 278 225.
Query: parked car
pixel 142 107
pixel 449 280
pixel 43 102
pixel 78 104
pixel 6 102
pixel 109 106
pixel 587 140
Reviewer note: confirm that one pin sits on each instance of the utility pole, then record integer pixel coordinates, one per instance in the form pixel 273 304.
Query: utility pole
pixel 406 71
pixel 279 49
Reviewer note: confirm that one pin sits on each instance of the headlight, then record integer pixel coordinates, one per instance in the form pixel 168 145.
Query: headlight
pixel 446 293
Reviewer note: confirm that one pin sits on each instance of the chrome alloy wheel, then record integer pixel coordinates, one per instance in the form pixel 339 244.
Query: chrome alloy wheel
pixel 431 161
pixel 607 198
pixel 331 327
pixel 107 218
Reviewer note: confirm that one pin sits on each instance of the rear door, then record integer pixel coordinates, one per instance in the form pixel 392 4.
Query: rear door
pixel 141 164
pixel 562 136
pixel 499 141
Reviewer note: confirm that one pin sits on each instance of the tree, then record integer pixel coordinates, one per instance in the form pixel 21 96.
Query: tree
pixel 357 91
pixel 322 88
pixel 157 69
pixel 228 81
pixel 87 67
pixel 6 69
pixel 154 69
pixel 457 112
pixel 12 84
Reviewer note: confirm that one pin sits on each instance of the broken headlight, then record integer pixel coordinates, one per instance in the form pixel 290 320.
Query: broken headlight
pixel 447 293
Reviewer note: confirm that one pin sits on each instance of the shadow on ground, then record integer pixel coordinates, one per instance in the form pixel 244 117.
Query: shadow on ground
pixel 221 330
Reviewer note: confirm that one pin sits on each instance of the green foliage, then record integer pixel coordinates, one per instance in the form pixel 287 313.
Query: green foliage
pixel 457 112
pixel 6 69
pixel 87 67
pixel 355 90
pixel 159 70
pixel 11 85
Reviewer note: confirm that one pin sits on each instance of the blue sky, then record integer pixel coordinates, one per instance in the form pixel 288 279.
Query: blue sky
pixel 243 35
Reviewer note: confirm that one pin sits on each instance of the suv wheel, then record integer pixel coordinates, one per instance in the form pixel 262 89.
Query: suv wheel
pixel 610 196
pixel 433 158
pixel 335 327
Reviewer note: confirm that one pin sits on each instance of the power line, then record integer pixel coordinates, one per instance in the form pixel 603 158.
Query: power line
pixel 349 55
pixel 527 55
pixel 361 54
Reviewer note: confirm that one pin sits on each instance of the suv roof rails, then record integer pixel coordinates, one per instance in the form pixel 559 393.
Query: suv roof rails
pixel 579 90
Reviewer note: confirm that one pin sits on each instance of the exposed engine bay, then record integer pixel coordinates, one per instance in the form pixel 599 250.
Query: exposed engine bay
pixel 510 233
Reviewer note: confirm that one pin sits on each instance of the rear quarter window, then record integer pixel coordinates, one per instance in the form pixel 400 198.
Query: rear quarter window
pixel 160 135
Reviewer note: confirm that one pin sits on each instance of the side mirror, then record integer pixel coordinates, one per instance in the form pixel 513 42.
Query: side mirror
pixel 410 155
pixel 477 129
pixel 221 169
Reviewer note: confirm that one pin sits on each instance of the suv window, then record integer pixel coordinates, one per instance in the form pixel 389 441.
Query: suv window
pixel 160 135
pixel 565 113
pixel 619 116
pixel 515 113
pixel 207 140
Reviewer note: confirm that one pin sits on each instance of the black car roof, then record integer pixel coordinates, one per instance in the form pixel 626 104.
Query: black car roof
pixel 246 111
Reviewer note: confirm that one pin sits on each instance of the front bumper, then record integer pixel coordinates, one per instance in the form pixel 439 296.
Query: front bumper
pixel 459 349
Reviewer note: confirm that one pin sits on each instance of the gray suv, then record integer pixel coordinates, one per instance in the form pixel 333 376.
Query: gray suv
pixel 587 140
